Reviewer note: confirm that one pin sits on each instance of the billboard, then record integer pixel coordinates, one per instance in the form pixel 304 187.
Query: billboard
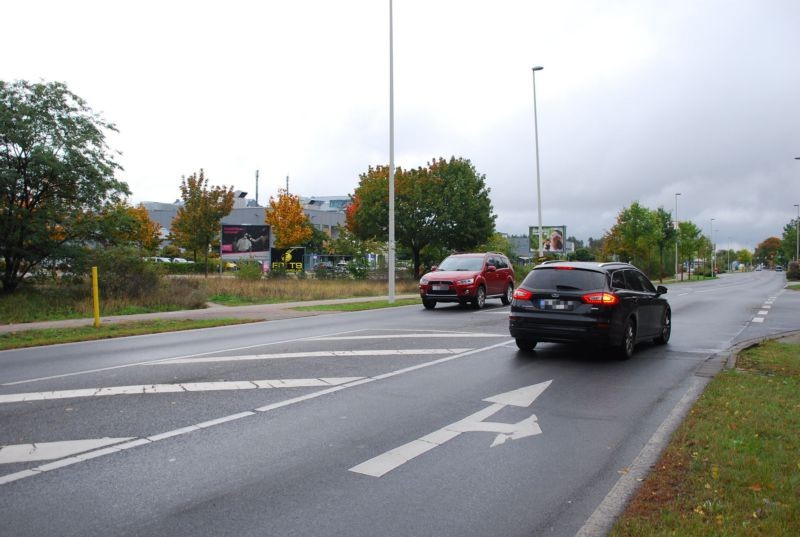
pixel 244 240
pixel 288 259
pixel 554 238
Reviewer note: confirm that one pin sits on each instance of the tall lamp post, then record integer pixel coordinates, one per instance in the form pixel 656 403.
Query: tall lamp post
pixel 536 143
pixel 711 240
pixel 391 156
pixel 797 235
pixel 677 234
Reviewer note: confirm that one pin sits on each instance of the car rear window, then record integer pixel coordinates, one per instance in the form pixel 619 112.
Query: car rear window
pixel 574 279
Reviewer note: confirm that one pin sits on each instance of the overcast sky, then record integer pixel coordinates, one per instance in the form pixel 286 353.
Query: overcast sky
pixel 638 99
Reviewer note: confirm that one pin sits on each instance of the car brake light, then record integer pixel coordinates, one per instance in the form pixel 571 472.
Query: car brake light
pixel 522 294
pixel 563 268
pixel 603 299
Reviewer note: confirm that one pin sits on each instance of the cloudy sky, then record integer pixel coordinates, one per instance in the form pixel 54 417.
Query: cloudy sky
pixel 638 99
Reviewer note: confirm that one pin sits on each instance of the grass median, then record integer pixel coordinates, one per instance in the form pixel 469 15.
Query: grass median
pixel 733 467
pixel 51 336
pixel 360 306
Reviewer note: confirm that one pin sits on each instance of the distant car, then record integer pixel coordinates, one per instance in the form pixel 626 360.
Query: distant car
pixel 468 279
pixel 179 260
pixel 758 268
pixel 609 304
pixel 778 268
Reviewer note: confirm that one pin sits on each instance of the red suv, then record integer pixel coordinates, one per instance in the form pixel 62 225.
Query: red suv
pixel 468 279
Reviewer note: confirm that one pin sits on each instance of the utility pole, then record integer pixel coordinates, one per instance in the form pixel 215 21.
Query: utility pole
pixel 256 187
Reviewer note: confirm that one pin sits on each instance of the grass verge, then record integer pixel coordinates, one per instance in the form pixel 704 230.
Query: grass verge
pixel 360 306
pixel 51 336
pixel 733 467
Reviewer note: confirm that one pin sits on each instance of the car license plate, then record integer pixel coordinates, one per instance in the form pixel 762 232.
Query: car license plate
pixel 560 305
pixel 440 287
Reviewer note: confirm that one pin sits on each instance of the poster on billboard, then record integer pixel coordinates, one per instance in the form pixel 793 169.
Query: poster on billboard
pixel 554 238
pixel 244 240
pixel 288 259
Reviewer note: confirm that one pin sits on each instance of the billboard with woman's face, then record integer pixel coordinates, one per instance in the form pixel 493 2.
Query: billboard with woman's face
pixel 553 237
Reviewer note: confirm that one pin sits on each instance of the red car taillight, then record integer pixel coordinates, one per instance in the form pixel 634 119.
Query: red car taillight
pixel 601 299
pixel 522 294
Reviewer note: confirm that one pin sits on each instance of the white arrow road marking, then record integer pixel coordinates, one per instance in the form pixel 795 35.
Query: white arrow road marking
pixel 147 389
pixel 523 397
pixel 53 450
pixel 313 354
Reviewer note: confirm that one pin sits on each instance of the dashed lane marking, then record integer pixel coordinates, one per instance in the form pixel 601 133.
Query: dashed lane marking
pixel 48 451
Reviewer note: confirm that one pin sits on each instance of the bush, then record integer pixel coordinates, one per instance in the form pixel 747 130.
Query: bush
pixel 794 271
pixel 358 268
pixel 249 269
pixel 123 273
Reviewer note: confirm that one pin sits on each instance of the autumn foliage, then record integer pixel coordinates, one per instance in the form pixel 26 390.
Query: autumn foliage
pixel 288 221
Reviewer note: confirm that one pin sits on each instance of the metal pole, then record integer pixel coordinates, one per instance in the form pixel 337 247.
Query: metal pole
pixel 536 142
pixel 797 235
pixel 677 234
pixel 711 240
pixel 391 155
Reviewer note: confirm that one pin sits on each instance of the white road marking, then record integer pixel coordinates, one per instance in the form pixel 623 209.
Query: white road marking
pixel 523 397
pixel 763 312
pixel 147 389
pixel 9 478
pixel 53 450
pixel 409 336
pixel 766 306
pixel 312 354
pixel 758 319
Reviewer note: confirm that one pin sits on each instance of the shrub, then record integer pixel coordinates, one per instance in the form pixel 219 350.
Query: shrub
pixel 123 273
pixel 249 269
pixel 794 271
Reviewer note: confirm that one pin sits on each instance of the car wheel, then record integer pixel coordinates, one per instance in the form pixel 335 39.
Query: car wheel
pixel 625 350
pixel 429 304
pixel 509 295
pixel 525 344
pixel 480 298
pixel 666 329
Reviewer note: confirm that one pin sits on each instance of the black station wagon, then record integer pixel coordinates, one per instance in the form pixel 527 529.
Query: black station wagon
pixel 609 304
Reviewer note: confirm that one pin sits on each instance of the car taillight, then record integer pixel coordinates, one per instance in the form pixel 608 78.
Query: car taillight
pixel 522 294
pixel 601 299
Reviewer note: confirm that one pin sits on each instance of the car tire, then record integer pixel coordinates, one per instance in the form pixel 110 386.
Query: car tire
pixel 526 345
pixel 480 298
pixel 509 295
pixel 625 350
pixel 666 329
pixel 429 304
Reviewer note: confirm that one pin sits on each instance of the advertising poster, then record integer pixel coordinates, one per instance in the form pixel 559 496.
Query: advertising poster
pixel 554 238
pixel 288 259
pixel 245 240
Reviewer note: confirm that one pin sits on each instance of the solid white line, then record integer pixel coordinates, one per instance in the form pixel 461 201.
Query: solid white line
pixel 185 430
pixel 414 336
pixel 148 389
pixel 311 354
pixel 150 362
pixel 600 522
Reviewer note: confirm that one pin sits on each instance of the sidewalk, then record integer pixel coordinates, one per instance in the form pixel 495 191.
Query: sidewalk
pixel 261 312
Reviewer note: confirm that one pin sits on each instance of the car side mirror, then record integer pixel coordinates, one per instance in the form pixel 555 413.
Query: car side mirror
pixel 491 268
pixel 434 268
pixel 661 290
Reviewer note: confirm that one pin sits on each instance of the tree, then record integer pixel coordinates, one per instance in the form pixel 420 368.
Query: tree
pixel 634 235
pixel 288 221
pixel 197 223
pixel 789 240
pixel 767 251
pixel 56 174
pixel 121 224
pixel 445 204
pixel 665 235
pixel 689 239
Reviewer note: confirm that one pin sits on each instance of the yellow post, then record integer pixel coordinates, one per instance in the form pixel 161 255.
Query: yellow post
pixel 96 297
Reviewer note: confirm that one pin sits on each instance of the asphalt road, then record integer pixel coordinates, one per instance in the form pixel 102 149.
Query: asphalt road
pixel 388 422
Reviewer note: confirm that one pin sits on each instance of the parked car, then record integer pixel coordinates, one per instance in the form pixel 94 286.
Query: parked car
pixel 468 279
pixel 610 304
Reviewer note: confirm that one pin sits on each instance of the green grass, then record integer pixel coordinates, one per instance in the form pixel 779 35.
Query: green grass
pixel 733 467
pixel 795 287
pixel 360 306
pixel 227 299
pixel 35 338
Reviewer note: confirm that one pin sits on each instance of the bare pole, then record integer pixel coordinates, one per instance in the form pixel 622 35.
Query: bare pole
pixel 256 187
pixel 536 143
pixel 391 156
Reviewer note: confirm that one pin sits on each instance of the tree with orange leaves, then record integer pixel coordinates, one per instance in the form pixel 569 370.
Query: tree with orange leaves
pixel 288 221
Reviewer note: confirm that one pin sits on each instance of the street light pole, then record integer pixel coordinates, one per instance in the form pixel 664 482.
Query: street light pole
pixel 797 235
pixel 711 240
pixel 391 156
pixel 536 142
pixel 677 234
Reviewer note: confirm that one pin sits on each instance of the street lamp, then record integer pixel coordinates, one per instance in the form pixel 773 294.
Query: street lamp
pixel 677 234
pixel 391 156
pixel 797 235
pixel 711 240
pixel 536 142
